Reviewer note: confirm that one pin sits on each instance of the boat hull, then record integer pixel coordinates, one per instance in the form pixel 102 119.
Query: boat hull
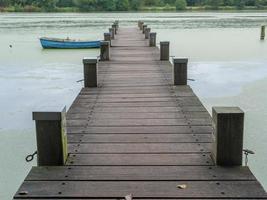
pixel 54 44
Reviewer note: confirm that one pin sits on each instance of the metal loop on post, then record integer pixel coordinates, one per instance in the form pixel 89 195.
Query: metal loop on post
pixel 30 157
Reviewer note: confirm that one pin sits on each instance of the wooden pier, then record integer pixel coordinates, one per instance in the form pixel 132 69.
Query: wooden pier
pixel 142 132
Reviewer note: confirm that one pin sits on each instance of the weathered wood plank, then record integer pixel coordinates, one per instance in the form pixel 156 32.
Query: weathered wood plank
pixel 143 189
pixel 143 129
pixel 138 138
pixel 135 109
pixel 155 173
pixel 139 159
pixel 173 115
pixel 140 148
pixel 139 122
pixel 139 198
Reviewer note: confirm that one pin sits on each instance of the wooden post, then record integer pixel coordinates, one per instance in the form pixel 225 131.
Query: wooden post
pixel 51 138
pixel 115 28
pixel 164 50
pixel 104 50
pixel 117 23
pixel 107 37
pixel 143 28
pixel 180 71
pixel 147 32
pixel 262 32
pixel 90 72
pixel 152 39
pixel 228 136
pixel 141 25
pixel 112 33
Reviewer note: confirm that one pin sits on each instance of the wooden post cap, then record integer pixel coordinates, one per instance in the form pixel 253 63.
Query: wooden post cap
pixel 46 116
pixel 104 43
pixel 106 34
pixel 90 60
pixel 226 110
pixel 180 60
pixel 165 43
pixel 153 34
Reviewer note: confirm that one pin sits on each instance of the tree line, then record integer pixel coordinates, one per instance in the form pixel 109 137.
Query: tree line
pixel 128 5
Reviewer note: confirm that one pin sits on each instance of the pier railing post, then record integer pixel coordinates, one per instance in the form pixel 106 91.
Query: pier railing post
pixel 228 136
pixel 90 72
pixel 117 23
pixel 112 33
pixel 107 37
pixel 164 50
pixel 262 32
pixel 147 32
pixel 152 39
pixel 180 71
pixel 104 50
pixel 141 25
pixel 51 138
pixel 115 28
pixel 143 28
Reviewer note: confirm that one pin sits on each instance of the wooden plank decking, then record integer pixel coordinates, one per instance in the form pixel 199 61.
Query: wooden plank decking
pixel 138 134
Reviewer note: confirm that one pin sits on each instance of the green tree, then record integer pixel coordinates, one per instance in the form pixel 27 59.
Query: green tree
pixel 215 4
pixel 152 2
pixel 240 4
pixel 136 4
pixel 170 2
pixel 228 2
pixel 180 4
pixel 65 3
pixel 4 3
pixel 47 4
pixel 122 5
pixel 106 5
pixel 85 5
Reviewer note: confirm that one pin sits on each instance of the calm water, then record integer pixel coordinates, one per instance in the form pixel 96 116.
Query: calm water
pixel 227 59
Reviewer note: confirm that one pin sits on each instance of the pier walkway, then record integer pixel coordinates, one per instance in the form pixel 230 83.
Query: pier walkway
pixel 137 133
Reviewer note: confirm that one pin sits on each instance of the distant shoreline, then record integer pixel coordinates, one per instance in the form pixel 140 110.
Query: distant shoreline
pixel 33 9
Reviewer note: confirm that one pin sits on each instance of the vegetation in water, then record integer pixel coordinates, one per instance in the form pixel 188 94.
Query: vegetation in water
pixel 126 5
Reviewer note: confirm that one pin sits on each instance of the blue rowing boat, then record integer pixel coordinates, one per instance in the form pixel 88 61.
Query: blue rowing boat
pixel 48 43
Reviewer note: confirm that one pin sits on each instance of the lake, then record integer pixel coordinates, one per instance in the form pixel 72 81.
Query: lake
pixel 227 59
